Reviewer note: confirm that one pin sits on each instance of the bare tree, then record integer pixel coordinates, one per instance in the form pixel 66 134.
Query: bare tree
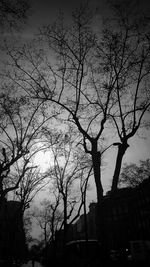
pixel 20 124
pixel 31 183
pixel 49 218
pixel 68 173
pixel 27 223
pixel 125 49
pixel 93 80
pixel 68 81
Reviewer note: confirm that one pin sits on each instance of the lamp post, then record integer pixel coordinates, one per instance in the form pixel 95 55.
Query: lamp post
pixel 114 144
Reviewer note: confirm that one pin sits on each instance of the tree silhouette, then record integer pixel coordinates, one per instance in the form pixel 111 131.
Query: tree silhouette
pixel 69 173
pixel 125 49
pixel 92 80
pixel 20 125
pixel 68 84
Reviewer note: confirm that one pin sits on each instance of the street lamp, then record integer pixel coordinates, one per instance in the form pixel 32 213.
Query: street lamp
pixel 114 144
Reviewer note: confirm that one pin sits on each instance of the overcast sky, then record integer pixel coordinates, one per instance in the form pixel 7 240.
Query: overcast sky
pixel 45 11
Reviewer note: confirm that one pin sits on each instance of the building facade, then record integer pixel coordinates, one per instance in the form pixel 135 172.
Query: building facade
pixel 12 234
pixel 123 217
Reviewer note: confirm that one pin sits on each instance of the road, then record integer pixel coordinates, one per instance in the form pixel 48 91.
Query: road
pixel 29 264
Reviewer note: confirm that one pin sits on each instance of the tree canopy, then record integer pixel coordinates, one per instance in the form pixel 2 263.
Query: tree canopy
pixel 95 83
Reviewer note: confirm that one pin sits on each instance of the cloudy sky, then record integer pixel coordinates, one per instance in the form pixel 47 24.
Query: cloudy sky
pixel 46 11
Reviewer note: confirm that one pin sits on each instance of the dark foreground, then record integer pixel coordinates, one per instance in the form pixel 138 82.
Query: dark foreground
pixel 77 263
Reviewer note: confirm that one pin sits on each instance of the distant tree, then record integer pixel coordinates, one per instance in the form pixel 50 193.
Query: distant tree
pixel 31 183
pixel 49 218
pixel 132 174
pixel 27 222
pixel 69 174
pixel 20 123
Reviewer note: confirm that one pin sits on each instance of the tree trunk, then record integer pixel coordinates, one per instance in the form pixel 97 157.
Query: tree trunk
pixel 65 220
pixel 45 235
pixel 121 151
pixel 52 228
pixel 85 217
pixel 96 160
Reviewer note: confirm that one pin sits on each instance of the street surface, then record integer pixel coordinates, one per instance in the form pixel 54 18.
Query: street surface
pixel 29 264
